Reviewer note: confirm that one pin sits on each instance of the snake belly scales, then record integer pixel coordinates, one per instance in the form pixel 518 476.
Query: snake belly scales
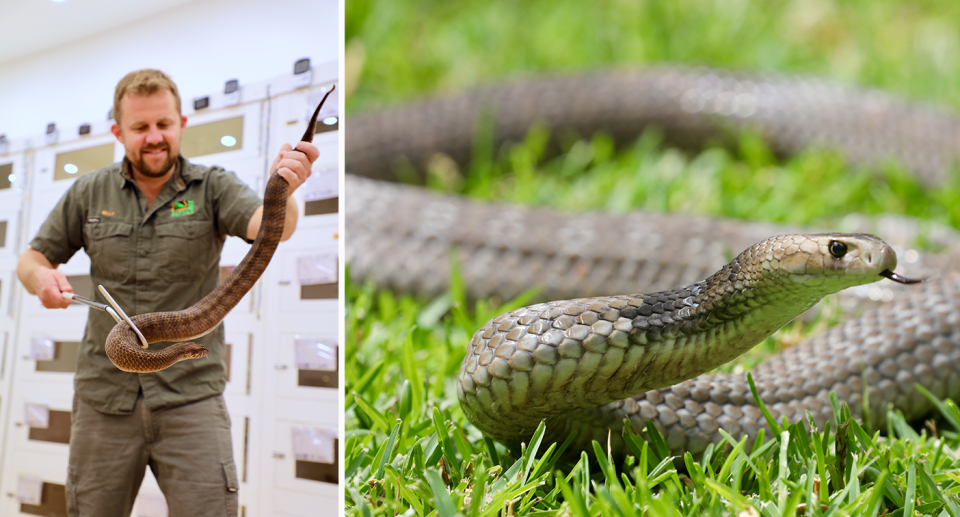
pixel 586 365
pixel 123 345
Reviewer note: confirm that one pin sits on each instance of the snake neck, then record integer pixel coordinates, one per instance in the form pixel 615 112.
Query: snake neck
pixel 728 296
pixel 683 332
pixel 699 327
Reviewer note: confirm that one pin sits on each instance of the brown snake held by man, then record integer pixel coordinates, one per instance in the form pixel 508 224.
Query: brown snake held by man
pixel 123 346
pixel 575 363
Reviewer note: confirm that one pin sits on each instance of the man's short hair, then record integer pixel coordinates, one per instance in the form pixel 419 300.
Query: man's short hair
pixel 143 82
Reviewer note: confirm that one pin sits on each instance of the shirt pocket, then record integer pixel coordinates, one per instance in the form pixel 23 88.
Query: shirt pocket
pixel 186 250
pixel 108 246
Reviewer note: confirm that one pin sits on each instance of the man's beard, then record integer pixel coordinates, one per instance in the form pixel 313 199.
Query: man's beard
pixel 141 165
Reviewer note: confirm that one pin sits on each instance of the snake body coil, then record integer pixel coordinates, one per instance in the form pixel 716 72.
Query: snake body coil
pixel 123 345
pixel 584 364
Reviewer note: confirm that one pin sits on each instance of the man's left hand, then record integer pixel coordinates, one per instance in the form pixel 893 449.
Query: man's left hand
pixel 295 166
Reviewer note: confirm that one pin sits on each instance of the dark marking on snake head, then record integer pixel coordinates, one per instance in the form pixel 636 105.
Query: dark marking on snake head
pixel 199 352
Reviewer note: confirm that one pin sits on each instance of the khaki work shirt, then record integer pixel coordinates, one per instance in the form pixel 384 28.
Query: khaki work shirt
pixel 162 258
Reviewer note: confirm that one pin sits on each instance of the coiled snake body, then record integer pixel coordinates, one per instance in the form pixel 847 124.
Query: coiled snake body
pixel 584 365
pixel 123 345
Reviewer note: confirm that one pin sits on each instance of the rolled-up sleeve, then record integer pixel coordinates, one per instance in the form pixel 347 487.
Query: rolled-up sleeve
pixel 235 202
pixel 61 235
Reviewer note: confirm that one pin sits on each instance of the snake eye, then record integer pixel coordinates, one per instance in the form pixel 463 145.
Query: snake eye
pixel 838 249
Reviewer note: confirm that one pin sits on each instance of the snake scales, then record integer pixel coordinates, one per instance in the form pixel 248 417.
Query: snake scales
pixel 399 237
pixel 123 345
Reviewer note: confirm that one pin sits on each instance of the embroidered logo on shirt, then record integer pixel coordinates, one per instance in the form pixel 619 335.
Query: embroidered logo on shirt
pixel 107 213
pixel 179 208
pixel 93 219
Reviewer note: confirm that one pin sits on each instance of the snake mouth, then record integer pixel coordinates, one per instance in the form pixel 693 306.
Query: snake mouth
pixel 886 273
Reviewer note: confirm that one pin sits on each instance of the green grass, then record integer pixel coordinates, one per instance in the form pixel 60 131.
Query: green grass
pixel 409 449
pixel 402 49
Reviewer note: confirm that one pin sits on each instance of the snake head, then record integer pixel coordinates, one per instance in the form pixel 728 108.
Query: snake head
pixel 186 351
pixel 826 262
pixel 197 351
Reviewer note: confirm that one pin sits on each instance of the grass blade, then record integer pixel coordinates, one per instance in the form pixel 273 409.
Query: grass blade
pixel 361 385
pixel 446 444
pixel 578 506
pixel 388 449
pixel 411 372
pixel 445 506
pixel 379 420
pixel 949 412
pixel 772 422
pixel 949 504
pixel 659 446
pixel 909 499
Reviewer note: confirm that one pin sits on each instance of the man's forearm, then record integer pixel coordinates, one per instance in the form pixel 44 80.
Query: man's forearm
pixel 27 266
pixel 40 277
pixel 293 214
pixel 289 225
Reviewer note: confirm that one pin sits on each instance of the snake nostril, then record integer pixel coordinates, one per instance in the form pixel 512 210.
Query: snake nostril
pixel 868 257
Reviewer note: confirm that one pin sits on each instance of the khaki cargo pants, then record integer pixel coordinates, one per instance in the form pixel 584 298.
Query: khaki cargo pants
pixel 188 448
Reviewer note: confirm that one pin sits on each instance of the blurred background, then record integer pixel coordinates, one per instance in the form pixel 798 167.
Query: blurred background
pixel 397 52
pixel 401 50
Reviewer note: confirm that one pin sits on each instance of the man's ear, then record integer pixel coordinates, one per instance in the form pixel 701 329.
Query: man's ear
pixel 115 129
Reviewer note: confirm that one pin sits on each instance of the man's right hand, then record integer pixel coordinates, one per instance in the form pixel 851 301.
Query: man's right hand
pixel 49 284
pixel 41 277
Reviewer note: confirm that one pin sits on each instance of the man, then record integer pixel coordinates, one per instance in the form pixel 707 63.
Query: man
pixel 153 226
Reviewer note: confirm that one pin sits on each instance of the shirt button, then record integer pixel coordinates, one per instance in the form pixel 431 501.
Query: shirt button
pixel 143 287
pixel 143 253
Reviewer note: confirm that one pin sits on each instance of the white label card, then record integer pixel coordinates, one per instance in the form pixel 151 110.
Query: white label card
pixel 313 444
pixel 42 348
pixel 36 415
pixel 323 183
pixel 316 353
pixel 317 268
pixel 29 489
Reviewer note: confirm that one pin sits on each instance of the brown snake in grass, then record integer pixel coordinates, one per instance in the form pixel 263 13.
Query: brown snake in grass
pixel 589 365
pixel 123 346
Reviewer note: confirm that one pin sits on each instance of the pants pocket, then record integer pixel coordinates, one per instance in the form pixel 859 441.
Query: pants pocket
pixel 71 493
pixel 232 485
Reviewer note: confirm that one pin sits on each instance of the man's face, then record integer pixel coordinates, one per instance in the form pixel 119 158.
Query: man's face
pixel 150 129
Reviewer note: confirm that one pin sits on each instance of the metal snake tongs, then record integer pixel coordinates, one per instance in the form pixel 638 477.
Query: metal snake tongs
pixel 113 311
